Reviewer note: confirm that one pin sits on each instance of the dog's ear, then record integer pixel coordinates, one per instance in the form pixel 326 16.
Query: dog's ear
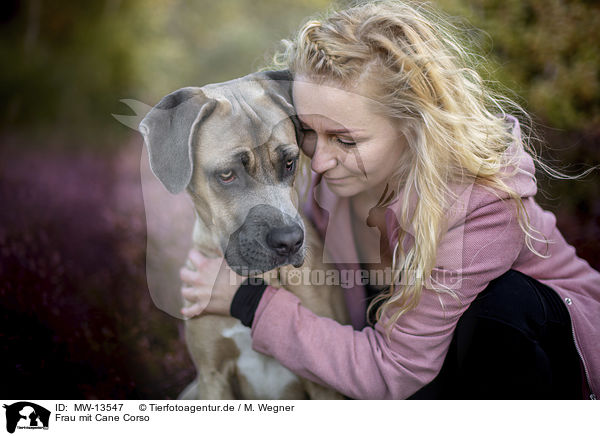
pixel 279 84
pixel 169 129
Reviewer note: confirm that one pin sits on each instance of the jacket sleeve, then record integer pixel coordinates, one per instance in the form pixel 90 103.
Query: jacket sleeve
pixel 366 364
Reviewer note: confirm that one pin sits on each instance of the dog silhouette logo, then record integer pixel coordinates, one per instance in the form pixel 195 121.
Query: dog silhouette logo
pixel 26 415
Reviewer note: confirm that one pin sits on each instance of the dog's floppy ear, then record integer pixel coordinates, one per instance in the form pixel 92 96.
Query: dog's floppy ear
pixel 279 83
pixel 169 129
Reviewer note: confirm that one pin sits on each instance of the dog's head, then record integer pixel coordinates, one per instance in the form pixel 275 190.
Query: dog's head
pixel 233 147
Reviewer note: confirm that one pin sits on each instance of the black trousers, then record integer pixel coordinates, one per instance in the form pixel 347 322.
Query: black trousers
pixel 514 342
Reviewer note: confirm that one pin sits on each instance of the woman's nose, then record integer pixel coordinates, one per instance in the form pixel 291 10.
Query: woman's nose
pixel 324 157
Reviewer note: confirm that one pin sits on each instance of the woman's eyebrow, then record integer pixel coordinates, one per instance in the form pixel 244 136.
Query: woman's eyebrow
pixel 342 130
pixel 305 125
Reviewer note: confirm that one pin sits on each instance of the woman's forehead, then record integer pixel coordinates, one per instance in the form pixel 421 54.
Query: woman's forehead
pixel 324 123
pixel 327 107
pixel 324 91
pixel 331 106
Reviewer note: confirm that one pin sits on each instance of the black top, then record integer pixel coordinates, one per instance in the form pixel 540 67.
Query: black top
pixel 246 299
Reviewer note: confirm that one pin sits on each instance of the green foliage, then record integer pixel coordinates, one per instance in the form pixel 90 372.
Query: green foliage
pixel 186 44
pixel 66 61
pixel 546 50
pixel 67 64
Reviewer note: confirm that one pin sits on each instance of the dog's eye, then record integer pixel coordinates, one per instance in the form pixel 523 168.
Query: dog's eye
pixel 290 164
pixel 227 176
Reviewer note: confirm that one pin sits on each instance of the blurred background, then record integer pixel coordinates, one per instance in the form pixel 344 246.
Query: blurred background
pixel 77 319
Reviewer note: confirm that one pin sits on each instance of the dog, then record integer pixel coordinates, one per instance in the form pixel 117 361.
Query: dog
pixel 233 147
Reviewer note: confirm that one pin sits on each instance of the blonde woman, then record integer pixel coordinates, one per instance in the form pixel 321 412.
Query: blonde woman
pixel 418 170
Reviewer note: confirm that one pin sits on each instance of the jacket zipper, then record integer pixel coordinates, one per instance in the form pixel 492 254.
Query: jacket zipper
pixel 587 375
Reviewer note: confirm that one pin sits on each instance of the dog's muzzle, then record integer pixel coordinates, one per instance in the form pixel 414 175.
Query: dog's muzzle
pixel 268 239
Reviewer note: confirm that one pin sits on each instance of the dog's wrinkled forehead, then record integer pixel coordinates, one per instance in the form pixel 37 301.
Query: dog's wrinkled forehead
pixel 248 112
pixel 248 115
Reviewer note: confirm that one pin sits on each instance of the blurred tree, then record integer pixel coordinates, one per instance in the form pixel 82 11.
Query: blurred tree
pixel 67 64
pixel 64 62
pixel 546 50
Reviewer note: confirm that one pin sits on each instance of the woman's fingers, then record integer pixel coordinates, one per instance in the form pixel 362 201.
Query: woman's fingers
pixel 191 294
pixel 190 277
pixel 197 298
pixel 197 293
pixel 198 285
pixel 193 310
pixel 210 288
pixel 196 257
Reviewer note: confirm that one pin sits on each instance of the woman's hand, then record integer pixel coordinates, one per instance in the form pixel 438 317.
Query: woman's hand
pixel 209 289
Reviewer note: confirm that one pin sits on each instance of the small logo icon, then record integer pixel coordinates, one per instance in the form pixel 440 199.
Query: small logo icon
pixel 26 415
pixel 294 278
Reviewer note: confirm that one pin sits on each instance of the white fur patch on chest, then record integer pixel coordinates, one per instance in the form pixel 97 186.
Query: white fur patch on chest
pixel 267 377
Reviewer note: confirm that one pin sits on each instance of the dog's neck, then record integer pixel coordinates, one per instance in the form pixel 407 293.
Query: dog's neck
pixel 203 239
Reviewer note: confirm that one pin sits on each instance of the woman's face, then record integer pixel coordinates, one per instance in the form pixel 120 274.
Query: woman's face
pixel 356 149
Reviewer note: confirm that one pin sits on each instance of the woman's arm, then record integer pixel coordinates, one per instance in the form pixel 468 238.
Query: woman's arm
pixel 365 364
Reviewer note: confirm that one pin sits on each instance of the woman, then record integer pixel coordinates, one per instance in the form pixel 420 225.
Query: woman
pixel 417 161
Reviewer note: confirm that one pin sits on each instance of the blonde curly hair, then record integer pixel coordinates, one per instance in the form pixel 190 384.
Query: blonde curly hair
pixel 413 64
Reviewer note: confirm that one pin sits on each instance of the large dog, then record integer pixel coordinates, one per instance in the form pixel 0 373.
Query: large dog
pixel 233 147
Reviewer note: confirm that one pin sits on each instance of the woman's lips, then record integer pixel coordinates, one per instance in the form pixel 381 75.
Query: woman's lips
pixel 335 179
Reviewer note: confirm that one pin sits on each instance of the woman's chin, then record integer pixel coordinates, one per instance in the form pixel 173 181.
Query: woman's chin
pixel 342 188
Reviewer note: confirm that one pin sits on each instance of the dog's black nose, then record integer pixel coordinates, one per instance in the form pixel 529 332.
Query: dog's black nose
pixel 286 240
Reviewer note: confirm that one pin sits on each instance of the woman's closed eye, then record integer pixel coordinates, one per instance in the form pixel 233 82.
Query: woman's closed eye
pixel 345 142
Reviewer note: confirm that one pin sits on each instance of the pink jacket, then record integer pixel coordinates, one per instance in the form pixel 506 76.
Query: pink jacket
pixel 483 241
